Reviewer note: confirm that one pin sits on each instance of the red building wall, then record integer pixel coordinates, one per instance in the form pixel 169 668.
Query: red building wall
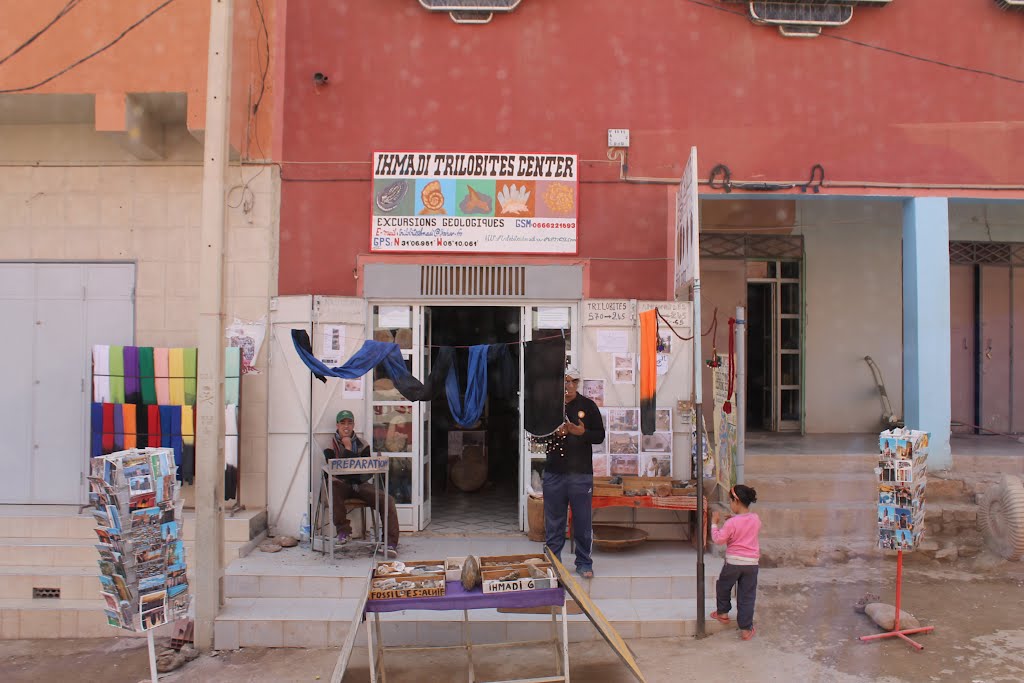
pixel 553 76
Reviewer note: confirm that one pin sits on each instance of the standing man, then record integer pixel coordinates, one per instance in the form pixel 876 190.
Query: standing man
pixel 569 475
pixel 348 445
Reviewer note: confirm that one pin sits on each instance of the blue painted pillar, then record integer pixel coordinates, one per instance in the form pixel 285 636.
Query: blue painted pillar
pixel 926 334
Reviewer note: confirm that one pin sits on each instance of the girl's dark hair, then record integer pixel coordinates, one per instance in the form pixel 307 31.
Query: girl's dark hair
pixel 743 494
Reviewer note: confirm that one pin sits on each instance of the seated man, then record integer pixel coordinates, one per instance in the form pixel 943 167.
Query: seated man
pixel 348 445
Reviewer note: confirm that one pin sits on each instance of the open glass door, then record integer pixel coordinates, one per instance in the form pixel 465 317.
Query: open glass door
pixel 541 322
pixel 426 336
pixel 395 421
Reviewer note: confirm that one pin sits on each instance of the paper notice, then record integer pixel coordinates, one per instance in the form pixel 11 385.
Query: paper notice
pixel 552 318
pixel 352 388
pixel 391 317
pixel 613 341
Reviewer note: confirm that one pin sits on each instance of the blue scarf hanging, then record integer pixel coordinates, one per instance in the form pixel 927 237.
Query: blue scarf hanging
pixel 476 388
pixel 389 356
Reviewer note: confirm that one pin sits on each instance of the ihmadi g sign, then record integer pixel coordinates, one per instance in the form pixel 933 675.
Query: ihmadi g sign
pixel 451 202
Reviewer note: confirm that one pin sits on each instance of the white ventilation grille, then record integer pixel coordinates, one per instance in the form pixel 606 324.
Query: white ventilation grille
pixel 471 11
pixel 473 281
pixel 806 18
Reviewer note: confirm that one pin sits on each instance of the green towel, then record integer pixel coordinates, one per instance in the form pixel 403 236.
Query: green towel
pixel 190 376
pixel 117 374
pixel 232 374
pixel 147 375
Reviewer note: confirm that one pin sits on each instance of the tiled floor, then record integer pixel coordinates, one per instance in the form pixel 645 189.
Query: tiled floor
pixel 491 512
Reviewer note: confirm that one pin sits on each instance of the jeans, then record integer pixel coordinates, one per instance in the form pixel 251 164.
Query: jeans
pixel 562 491
pixel 370 495
pixel 744 577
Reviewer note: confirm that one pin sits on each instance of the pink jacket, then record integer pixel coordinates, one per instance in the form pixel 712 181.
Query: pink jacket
pixel 739 534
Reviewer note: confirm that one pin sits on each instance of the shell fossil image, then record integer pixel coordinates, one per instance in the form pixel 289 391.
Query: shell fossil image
pixel 433 199
pixel 390 197
pixel 476 202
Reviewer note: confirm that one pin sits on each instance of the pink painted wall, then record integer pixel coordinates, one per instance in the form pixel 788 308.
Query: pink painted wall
pixel 554 76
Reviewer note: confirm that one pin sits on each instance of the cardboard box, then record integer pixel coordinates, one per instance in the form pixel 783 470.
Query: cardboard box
pixel 453 568
pixel 431 586
pixel 514 561
pixel 492 584
pixel 433 567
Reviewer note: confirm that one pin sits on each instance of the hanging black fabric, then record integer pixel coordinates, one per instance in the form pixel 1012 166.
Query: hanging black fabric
pixel 544 389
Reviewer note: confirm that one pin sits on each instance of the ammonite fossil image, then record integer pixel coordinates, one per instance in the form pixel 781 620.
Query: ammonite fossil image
pixel 391 196
pixel 475 202
pixel 433 199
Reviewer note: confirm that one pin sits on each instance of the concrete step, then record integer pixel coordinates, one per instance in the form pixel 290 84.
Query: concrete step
pixel 801 487
pixel 788 464
pixel 24 521
pixel 996 464
pixel 75 583
pixel 61 619
pixel 310 622
pixel 817 520
pixel 73 552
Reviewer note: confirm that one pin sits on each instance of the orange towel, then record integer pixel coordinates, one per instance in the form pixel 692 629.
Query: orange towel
pixel 648 369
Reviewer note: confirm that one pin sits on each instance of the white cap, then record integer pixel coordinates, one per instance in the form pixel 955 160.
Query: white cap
pixel 572 373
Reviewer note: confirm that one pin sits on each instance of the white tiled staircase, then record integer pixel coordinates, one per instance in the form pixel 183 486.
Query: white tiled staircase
pixel 49 551
pixel 297 599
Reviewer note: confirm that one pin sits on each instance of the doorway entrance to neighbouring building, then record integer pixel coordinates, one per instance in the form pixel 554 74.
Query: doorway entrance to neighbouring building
pixel 774 350
pixel 987 337
pixel 474 471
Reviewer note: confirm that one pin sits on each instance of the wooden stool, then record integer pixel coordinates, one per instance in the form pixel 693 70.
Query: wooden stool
pixel 361 505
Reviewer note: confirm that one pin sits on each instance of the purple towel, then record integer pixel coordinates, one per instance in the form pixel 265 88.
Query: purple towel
pixel 118 427
pixel 132 387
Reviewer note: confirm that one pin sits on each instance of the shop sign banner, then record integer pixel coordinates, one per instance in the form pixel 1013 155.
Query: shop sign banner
pixel 460 202
pixel 687 252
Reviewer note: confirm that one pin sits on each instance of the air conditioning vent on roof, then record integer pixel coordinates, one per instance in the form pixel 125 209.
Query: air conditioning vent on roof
pixel 470 11
pixel 806 18
pixel 1011 4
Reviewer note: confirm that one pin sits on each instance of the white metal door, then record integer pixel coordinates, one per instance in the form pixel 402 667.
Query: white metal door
pixel 55 313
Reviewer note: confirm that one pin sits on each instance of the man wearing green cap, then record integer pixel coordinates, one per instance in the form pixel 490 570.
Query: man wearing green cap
pixel 347 444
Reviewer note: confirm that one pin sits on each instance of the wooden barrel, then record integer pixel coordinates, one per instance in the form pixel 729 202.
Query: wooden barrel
pixel 535 519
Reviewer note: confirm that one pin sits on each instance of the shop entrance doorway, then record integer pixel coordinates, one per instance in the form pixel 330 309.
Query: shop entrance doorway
pixel 474 470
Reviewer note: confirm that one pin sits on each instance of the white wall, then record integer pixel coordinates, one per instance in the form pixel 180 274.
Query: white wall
pixel 854 308
pixel 977 222
pixel 149 214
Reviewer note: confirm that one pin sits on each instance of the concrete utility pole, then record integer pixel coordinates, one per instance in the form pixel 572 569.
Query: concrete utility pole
pixel 210 396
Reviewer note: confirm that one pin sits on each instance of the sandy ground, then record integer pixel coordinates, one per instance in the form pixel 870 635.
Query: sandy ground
pixel 807 632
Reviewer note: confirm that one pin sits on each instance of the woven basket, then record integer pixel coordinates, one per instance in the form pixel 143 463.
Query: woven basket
pixel 611 538
pixel 678 502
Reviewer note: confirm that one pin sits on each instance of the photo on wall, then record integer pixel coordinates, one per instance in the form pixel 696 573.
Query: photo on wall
pixel 624 465
pixel 623 442
pixel 655 465
pixel 601 465
pixel 663 420
pixel 658 442
pixel 594 390
pixel 623 419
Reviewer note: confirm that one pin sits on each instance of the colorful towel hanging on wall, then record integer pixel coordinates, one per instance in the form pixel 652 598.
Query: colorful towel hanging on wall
pixel 145 397
pixel 648 370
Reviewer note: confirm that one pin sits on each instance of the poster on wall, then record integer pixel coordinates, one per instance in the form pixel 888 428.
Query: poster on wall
pixel 247 335
pixel 451 202
pixel 594 390
pixel 725 425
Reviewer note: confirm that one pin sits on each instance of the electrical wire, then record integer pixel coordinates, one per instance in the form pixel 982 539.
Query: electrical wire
pixel 880 48
pixel 67 8
pixel 90 55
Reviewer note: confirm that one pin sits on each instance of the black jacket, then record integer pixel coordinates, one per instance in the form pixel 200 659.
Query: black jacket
pixel 575 454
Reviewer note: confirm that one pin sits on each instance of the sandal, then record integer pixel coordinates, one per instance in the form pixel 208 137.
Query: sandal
pixel 724 618
pixel 747 635
pixel 586 573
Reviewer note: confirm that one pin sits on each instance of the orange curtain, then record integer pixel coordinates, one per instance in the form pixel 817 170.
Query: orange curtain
pixel 648 369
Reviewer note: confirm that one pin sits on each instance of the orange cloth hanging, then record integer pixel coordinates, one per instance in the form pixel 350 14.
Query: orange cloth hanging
pixel 648 369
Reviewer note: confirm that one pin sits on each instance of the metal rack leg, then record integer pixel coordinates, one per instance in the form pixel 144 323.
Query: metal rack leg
pixel 371 650
pixel 469 644
pixel 380 647
pixel 565 642
pixel 554 641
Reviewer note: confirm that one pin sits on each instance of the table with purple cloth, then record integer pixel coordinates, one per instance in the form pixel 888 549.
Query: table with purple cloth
pixel 458 598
